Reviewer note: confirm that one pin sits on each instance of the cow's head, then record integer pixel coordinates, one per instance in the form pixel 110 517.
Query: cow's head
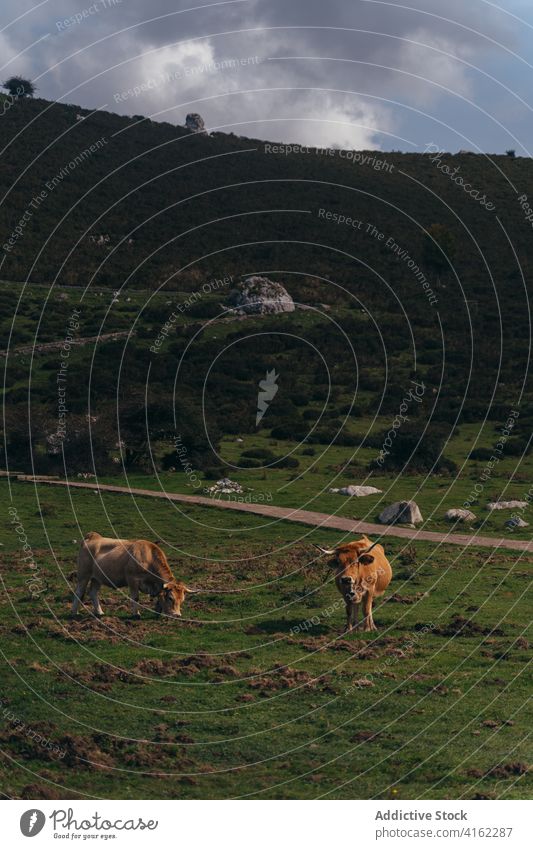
pixel 170 598
pixel 353 564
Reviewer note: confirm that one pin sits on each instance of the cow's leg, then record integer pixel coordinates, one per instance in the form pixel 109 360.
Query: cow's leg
pixel 349 614
pixel 134 595
pixel 93 595
pixel 368 621
pixel 79 592
pixel 355 617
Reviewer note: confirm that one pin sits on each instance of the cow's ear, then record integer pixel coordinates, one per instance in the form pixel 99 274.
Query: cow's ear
pixel 366 559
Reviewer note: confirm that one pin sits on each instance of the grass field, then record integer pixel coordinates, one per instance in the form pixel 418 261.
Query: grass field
pixel 256 693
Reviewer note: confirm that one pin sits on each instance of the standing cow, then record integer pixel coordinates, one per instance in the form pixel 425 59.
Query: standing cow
pixel 362 572
pixel 137 564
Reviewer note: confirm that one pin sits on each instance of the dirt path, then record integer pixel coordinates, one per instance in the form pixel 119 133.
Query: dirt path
pixel 40 347
pixel 305 517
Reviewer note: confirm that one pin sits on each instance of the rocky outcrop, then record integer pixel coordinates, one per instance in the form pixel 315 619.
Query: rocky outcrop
pixel 357 491
pixel 401 512
pixel 260 296
pixel 458 514
pixel 195 123
pixel 506 505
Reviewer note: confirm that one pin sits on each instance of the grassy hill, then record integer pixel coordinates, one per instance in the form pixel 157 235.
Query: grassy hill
pixel 172 220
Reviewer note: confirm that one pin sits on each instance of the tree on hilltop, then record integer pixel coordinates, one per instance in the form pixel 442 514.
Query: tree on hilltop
pixel 19 88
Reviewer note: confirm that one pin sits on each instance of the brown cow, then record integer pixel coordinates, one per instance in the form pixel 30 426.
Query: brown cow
pixel 138 564
pixel 362 572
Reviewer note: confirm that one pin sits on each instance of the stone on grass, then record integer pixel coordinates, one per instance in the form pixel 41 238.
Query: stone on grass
pixel 224 485
pixel 401 512
pixel 459 514
pixel 260 296
pixel 506 505
pixel 357 491
pixel 516 522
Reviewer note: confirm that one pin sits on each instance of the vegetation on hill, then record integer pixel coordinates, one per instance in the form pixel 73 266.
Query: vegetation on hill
pixel 164 216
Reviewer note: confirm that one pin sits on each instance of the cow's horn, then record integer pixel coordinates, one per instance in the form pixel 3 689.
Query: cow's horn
pixel 324 550
pixel 367 549
pixel 190 590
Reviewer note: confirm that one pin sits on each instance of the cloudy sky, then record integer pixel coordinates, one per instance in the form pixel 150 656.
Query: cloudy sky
pixel 350 73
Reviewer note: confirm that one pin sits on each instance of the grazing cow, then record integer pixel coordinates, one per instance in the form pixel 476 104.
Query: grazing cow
pixel 138 564
pixel 362 572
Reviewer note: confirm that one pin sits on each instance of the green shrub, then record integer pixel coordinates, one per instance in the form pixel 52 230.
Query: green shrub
pixel 250 463
pixel 259 454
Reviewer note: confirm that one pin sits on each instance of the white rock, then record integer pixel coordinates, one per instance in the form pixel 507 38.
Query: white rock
pixel 260 296
pixel 224 485
pixel 357 491
pixel 195 122
pixel 404 512
pixel 517 522
pixel 506 505
pixel 458 514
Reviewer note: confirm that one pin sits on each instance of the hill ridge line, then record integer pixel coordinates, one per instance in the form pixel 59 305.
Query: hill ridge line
pixel 305 517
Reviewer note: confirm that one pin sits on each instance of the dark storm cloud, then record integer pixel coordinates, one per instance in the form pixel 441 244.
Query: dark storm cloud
pixel 337 72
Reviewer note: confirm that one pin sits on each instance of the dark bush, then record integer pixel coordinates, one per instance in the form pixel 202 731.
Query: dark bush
pixel 250 463
pixel 204 309
pixel 259 454
pixel 518 447
pixel 480 454
pixel 356 410
pixel 289 430
pixel 215 473
pixel 300 399
pixel 287 463
pixel 410 452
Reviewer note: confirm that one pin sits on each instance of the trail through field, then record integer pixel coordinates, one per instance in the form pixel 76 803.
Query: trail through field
pixel 43 347
pixel 305 517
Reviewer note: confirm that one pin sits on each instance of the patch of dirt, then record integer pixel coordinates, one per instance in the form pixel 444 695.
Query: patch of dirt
pixel 35 741
pixel 101 676
pixel 361 682
pixel 82 752
pixel 459 625
pixel 288 679
pixel 407 599
pixel 508 770
pixel 227 671
pixel 99 673
pixel 38 667
pixel 44 791
pixel 496 723
pixel 364 736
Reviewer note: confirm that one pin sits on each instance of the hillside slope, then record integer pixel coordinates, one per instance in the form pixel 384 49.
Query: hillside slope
pixel 111 201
